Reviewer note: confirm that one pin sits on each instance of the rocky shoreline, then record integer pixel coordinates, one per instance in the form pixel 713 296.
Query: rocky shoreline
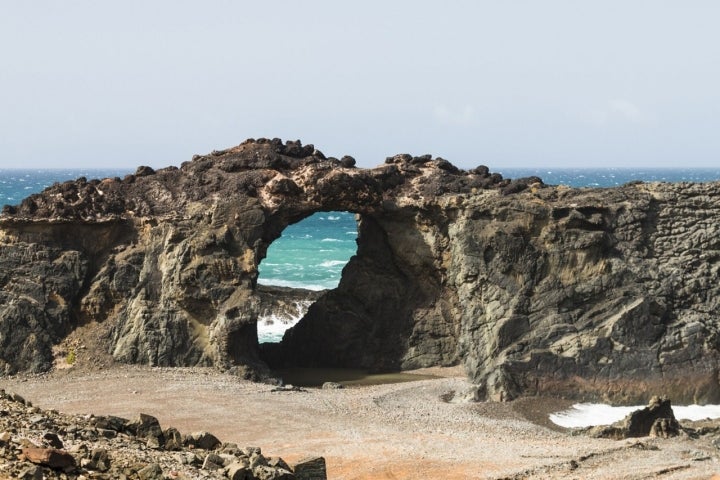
pixel 422 429
pixel 285 303
pixel 38 444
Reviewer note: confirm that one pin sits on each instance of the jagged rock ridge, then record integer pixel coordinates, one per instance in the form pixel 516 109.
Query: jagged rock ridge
pixel 588 293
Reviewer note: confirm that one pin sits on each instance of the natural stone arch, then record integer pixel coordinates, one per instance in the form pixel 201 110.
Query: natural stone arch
pixel 535 290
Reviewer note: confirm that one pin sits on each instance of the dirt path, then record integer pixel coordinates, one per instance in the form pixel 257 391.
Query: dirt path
pixel 399 431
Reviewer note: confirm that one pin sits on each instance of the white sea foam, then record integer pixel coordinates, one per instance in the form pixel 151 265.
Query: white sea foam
pixel 331 240
pixel 271 328
pixel 332 263
pixel 278 282
pixel 591 414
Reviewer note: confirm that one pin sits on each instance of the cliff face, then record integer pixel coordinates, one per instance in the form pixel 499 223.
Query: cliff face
pixel 589 293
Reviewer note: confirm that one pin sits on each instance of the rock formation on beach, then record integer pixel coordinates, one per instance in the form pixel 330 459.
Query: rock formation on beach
pixel 655 420
pixel 586 293
pixel 44 444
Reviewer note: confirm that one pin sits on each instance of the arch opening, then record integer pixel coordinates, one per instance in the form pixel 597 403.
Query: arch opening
pixel 300 266
pixel 385 316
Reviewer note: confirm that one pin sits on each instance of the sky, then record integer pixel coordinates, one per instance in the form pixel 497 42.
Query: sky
pixel 531 83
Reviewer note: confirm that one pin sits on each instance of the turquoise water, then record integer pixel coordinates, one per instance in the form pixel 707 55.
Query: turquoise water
pixel 312 253
pixel 612 177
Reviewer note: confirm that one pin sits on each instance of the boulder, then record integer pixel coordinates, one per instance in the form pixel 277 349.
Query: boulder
pixel 212 462
pixel 269 473
pixel 173 439
pixel 347 161
pixel 239 471
pixel 144 171
pixel 148 427
pixel 204 440
pixel 311 468
pixel 99 460
pixel 52 440
pixel 657 420
pixel 49 457
pixel 152 471
pixel 277 462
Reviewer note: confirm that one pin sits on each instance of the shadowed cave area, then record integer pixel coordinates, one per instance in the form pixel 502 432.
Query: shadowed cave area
pixel 367 321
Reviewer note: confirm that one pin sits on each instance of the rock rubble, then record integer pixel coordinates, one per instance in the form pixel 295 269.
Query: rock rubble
pixel 42 444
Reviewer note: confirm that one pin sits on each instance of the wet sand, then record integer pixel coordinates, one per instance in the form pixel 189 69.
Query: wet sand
pixel 316 377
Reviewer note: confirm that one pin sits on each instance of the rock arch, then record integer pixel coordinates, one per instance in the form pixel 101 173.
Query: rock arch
pixel 586 293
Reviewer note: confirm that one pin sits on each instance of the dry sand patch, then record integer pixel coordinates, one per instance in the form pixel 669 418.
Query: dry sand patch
pixel 394 431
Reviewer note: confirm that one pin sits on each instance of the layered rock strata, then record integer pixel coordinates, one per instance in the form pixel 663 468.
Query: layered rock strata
pixel 586 293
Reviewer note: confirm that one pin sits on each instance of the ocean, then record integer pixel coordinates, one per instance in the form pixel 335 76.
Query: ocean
pixel 312 253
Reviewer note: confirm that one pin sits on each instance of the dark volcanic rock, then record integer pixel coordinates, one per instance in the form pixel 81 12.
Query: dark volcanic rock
pixel 657 420
pixel 347 161
pixel 284 302
pixel 49 457
pixel 585 293
pixel 312 468
pixel 204 440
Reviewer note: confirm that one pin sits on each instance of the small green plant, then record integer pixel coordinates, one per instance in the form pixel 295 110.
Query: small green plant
pixel 70 358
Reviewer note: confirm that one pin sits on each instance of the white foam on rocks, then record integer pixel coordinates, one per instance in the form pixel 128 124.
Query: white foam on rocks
pixel 591 414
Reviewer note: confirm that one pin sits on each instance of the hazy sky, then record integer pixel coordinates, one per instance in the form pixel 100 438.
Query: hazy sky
pixel 502 83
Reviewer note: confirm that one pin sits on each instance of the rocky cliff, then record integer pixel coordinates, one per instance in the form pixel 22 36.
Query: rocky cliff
pixel 587 293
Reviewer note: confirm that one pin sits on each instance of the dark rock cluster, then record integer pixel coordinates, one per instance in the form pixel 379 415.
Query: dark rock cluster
pixel 42 444
pixel 655 420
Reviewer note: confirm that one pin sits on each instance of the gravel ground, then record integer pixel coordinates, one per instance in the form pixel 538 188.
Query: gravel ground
pixel 393 431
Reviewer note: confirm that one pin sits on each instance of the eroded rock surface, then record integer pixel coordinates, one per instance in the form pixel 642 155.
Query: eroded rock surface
pixel 587 293
pixel 655 420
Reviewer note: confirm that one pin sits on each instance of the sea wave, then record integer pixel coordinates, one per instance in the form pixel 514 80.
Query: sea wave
pixel 277 282
pixel 271 328
pixel 332 263
pixel 590 414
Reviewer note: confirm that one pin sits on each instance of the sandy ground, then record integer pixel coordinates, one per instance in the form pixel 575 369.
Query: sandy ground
pixel 396 431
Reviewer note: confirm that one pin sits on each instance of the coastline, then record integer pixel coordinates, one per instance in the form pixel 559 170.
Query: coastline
pixel 398 431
